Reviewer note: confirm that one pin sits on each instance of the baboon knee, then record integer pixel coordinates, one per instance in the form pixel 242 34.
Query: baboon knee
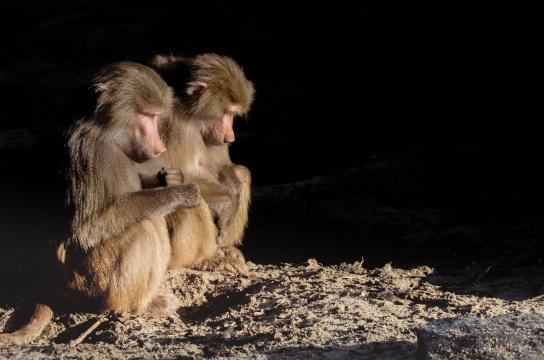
pixel 242 174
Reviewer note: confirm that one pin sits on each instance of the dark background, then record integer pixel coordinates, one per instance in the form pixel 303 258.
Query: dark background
pixel 405 135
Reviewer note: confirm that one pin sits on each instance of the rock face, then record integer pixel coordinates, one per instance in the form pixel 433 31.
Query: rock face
pixel 502 337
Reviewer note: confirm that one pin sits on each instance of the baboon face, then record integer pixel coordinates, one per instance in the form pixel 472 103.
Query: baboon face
pixel 218 130
pixel 131 98
pixel 143 142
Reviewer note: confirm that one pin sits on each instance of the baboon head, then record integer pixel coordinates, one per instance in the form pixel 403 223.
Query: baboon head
pixel 131 101
pixel 212 90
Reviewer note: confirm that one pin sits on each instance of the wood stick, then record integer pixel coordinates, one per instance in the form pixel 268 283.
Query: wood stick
pixel 87 332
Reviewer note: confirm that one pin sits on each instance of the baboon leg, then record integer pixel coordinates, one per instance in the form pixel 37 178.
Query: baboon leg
pixel 130 281
pixel 192 236
pixel 194 243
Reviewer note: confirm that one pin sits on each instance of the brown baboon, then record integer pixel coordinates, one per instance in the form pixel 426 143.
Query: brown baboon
pixel 119 247
pixel 210 90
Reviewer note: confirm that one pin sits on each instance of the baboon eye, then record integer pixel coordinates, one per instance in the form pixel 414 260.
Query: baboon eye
pixel 151 115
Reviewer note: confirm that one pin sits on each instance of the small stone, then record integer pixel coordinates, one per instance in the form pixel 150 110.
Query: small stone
pixel 227 334
pixel 313 264
pixel 251 265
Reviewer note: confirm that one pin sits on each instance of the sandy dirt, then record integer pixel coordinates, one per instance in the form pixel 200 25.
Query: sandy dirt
pixel 288 311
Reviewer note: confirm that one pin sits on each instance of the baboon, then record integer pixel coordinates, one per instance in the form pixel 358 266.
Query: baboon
pixel 210 90
pixel 119 248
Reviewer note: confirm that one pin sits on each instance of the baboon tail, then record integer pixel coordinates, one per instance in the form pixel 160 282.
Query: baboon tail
pixel 41 316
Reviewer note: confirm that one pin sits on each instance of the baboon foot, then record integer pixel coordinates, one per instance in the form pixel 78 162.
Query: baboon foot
pixel 228 259
pixel 163 304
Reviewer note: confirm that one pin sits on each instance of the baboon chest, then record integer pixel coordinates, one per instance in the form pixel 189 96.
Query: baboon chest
pixel 198 164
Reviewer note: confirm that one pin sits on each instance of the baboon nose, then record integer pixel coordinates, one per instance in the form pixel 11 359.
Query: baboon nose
pixel 229 138
pixel 160 148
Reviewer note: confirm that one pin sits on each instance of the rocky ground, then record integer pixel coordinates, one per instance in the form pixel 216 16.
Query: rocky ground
pixel 308 311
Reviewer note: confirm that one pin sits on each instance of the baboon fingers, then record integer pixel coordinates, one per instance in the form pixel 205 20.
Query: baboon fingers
pixel 233 253
pixel 173 177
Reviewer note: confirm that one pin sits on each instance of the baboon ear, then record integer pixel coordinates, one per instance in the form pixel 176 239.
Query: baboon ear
pixel 195 86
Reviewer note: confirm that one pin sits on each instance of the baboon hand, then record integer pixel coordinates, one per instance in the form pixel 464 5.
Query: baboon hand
pixel 230 182
pixel 188 195
pixel 170 177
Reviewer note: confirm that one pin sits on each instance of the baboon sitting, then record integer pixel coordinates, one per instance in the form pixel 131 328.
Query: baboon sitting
pixel 119 247
pixel 210 90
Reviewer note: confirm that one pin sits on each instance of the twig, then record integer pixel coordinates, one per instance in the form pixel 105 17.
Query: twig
pixel 482 275
pixel 87 332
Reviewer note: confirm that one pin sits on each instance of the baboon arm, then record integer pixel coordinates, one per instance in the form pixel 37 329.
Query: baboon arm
pixel 215 194
pixel 132 208
pixel 233 233
pixel 211 191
